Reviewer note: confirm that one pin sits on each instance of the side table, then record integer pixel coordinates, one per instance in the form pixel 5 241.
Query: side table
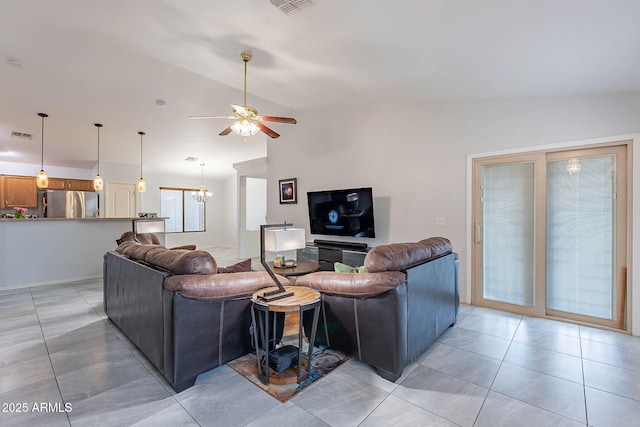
pixel 302 300
pixel 301 268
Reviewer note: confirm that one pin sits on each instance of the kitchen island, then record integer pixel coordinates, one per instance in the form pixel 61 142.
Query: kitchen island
pixel 42 251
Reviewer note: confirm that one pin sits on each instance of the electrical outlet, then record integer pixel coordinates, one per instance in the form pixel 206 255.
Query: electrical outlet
pixel 440 222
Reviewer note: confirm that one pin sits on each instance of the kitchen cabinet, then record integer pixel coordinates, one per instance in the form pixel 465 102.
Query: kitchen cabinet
pixel 19 191
pixel 70 184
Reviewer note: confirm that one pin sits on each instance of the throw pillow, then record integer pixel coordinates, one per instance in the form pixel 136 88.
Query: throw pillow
pixel 239 267
pixel 344 268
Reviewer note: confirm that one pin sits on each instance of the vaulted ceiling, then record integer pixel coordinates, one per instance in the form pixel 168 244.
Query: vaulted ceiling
pixel 109 61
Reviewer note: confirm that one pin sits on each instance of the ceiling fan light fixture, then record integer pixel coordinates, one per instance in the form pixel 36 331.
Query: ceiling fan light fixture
pixel 245 128
pixel 248 121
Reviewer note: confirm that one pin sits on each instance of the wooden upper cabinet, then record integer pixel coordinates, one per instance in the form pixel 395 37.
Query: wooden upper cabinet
pixel 19 191
pixel 57 184
pixel 80 184
pixel 70 184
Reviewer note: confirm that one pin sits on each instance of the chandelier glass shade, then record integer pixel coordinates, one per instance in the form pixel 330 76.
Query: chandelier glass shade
pixel 142 186
pixel 42 180
pixel 202 195
pixel 245 128
pixel 98 183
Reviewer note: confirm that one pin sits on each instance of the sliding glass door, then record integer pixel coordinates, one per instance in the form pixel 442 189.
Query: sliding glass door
pixel 550 234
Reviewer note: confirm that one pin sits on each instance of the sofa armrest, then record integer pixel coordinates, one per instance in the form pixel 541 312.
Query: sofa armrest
pixel 359 285
pixel 220 286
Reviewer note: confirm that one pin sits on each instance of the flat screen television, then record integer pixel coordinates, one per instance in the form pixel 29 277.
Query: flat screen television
pixel 346 212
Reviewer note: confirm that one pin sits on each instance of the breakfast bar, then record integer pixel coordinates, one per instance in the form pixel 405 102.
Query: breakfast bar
pixel 39 251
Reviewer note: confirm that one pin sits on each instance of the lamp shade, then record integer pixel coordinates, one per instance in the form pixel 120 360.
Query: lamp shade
pixel 276 240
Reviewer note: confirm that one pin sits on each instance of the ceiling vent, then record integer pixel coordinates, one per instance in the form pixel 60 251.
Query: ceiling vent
pixel 290 6
pixel 191 159
pixel 20 135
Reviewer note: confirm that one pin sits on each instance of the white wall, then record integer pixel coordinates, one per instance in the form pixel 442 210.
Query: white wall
pixel 27 169
pixel 229 202
pixel 215 210
pixel 415 156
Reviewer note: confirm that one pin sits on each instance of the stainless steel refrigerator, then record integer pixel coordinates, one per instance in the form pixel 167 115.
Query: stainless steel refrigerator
pixel 69 204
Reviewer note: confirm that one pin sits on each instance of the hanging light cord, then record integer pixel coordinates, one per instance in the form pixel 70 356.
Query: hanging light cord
pixel 98 125
pixel 43 115
pixel 141 133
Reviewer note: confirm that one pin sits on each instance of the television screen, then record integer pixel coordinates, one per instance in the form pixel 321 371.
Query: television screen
pixel 342 212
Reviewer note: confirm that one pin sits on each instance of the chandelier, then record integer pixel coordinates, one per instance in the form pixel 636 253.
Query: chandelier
pixel 573 166
pixel 202 195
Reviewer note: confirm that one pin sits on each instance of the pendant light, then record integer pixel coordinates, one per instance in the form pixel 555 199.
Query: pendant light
pixel 142 186
pixel 42 180
pixel 98 184
pixel 202 195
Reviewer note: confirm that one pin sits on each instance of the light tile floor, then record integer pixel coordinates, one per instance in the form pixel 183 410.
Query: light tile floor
pixel 492 369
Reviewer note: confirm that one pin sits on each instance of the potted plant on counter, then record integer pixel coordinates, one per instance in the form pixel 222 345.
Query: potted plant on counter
pixel 20 212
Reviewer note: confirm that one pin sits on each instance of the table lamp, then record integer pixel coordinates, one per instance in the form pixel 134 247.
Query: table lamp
pixel 278 238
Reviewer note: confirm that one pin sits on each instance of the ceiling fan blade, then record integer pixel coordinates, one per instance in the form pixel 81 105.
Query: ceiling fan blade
pixel 289 120
pixel 210 117
pixel 226 131
pixel 269 132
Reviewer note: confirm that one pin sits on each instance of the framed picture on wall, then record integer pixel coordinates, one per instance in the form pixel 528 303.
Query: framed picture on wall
pixel 289 190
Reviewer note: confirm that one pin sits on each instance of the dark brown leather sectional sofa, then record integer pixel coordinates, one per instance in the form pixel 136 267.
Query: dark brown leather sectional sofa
pixel 178 310
pixel 388 316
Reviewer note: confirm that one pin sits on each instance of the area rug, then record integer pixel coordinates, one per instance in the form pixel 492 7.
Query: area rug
pixel 323 362
pixel 321 366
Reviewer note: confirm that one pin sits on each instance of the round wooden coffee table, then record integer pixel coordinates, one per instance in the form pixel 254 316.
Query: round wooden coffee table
pixel 302 300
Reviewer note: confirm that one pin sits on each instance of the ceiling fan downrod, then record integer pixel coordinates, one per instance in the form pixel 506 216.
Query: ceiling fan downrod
pixel 246 57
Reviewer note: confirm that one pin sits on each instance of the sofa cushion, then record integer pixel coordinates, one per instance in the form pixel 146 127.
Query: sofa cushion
pixel 352 285
pixel 345 268
pixel 182 261
pixel 239 267
pixel 221 286
pixel 397 256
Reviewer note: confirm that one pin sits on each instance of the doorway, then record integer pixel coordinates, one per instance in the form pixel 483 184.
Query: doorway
pixel 549 234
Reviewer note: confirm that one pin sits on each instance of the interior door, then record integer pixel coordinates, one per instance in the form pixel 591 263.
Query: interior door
pixel 120 200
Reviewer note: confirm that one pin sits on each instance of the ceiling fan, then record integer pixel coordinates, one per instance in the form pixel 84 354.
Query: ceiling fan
pixel 248 121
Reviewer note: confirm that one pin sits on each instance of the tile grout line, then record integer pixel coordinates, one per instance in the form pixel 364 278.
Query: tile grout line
pixel 490 388
pixel 44 339
pixel 584 382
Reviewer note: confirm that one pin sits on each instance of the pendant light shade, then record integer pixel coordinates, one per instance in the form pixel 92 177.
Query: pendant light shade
pixel 98 184
pixel 42 180
pixel 142 186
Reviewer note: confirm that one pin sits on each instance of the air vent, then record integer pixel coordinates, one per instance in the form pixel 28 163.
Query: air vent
pixel 20 135
pixel 290 6
pixel 191 159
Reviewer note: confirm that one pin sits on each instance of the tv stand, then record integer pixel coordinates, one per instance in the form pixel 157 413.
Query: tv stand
pixel 330 252
pixel 344 245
